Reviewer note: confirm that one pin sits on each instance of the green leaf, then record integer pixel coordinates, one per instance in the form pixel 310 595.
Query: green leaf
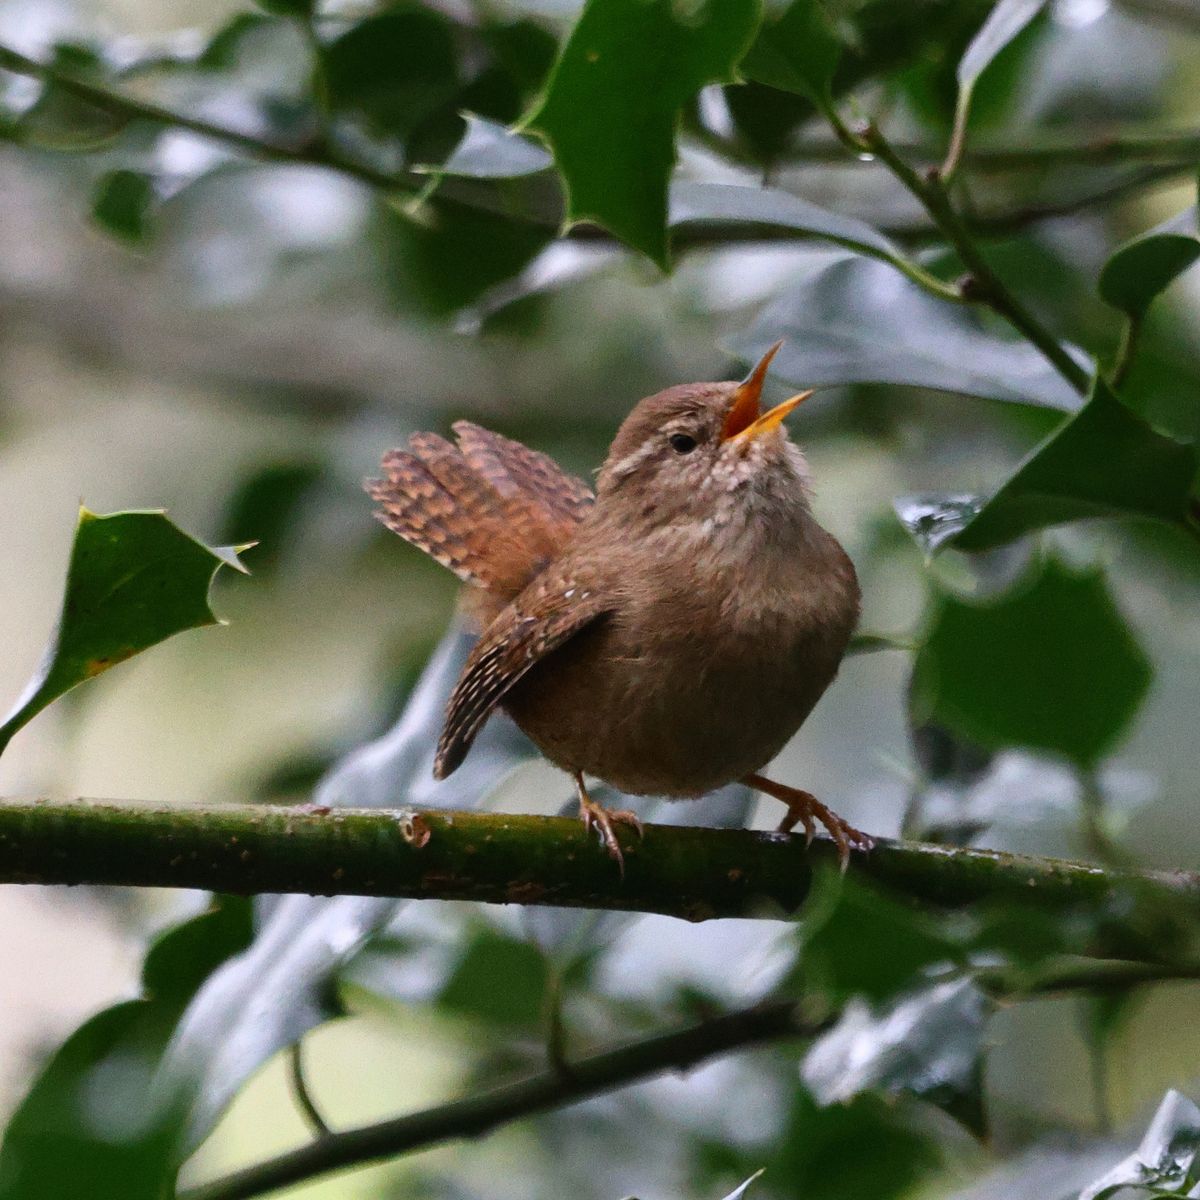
pixel 490 151
pixel 855 320
pixel 287 8
pixel 445 255
pixel 90 1125
pixel 796 51
pixel 395 70
pixel 61 120
pixel 134 579
pixel 1144 267
pixel 612 105
pixel 1050 665
pixel 497 979
pixel 1106 461
pixel 1003 24
pixel 771 210
pixel 1165 1158
pixel 123 203
pixel 858 941
pixel 927 1043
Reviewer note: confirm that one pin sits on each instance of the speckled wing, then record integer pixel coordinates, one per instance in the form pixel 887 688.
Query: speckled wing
pixel 547 614
pixel 538 486
pixel 491 510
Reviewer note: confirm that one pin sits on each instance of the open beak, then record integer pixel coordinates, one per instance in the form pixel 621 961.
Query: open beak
pixel 744 419
pixel 772 417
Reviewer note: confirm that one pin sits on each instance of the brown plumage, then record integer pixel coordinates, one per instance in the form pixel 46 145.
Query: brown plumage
pixel 668 634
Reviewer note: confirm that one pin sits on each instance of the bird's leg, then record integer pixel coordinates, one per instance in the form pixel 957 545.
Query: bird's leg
pixel 803 808
pixel 603 819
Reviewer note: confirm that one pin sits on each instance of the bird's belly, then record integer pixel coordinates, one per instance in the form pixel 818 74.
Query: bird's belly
pixel 674 724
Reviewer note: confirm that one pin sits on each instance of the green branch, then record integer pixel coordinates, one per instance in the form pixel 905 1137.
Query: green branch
pixel 476 1115
pixel 984 285
pixel 498 858
pixel 568 1082
pixel 1173 153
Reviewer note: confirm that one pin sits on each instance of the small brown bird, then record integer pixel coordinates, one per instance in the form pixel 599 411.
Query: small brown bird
pixel 668 634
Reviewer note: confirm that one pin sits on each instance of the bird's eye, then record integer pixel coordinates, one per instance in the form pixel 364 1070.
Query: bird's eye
pixel 682 443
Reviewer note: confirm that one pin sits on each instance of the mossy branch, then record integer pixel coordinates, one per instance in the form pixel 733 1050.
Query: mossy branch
pixel 695 874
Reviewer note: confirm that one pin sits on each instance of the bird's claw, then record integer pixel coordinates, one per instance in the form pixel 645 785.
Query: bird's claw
pixel 803 807
pixel 596 816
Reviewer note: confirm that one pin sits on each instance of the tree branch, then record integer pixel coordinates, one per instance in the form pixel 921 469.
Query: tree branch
pixel 986 285
pixel 497 858
pixel 570 1082
pixel 476 1115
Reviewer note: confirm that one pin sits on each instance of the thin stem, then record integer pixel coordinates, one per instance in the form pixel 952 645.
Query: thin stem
pixel 135 108
pixel 1130 332
pixel 303 1096
pixel 476 1115
pixel 985 284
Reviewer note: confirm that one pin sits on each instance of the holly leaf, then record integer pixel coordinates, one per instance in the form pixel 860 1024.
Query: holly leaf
pixel 612 105
pixel 770 210
pixel 1165 1158
pixel 1106 461
pixel 927 1043
pixel 1050 665
pixel 489 150
pixel 1141 269
pixel 1003 24
pixel 90 1125
pixel 135 579
pixel 796 51
pixel 855 320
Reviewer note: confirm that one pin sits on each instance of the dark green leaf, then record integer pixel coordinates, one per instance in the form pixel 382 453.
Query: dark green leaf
pixel 857 941
pixel 770 210
pixel 395 70
pixel 445 255
pixel 854 320
pixel 61 120
pixel 267 506
pixel 796 51
pixel 1142 268
pixel 123 204
pixel 134 579
pixel 926 1042
pixel 765 119
pixel 1165 1158
pixel 1050 665
pixel 498 979
pixel 612 105
pixel 91 1125
pixel 867 1148
pixel 1106 461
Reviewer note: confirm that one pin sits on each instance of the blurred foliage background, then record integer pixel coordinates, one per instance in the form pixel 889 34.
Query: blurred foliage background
pixel 199 323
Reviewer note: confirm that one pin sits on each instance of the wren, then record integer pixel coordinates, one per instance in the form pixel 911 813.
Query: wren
pixel 667 634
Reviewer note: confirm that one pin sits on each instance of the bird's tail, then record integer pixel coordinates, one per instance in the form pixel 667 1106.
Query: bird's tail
pixel 491 510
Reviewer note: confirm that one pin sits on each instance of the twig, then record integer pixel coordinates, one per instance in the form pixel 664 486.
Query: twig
pixel 501 858
pixel 476 1115
pixel 984 284
pixel 557 1088
pixel 303 1096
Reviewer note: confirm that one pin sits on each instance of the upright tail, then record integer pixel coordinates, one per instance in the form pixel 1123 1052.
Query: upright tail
pixel 492 510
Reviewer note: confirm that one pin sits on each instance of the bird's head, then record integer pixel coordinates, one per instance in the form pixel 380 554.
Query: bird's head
pixel 705 451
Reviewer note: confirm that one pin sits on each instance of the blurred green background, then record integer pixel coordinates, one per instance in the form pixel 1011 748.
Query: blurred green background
pixel 245 365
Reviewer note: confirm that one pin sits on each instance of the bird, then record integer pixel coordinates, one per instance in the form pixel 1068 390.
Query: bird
pixel 667 633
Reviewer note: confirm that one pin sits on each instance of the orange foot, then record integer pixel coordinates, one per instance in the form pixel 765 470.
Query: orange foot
pixel 596 816
pixel 803 808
